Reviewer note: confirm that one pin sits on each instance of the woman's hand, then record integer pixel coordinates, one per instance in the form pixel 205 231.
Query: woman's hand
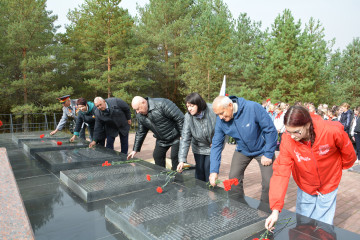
pixel 180 167
pixel 271 220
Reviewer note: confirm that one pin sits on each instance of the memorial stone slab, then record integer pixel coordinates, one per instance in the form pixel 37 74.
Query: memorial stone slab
pixel 95 183
pixel 79 157
pixel 40 145
pixel 183 213
pixel 19 138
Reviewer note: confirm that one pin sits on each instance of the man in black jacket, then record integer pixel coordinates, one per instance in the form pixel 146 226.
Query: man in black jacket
pixel 113 115
pixel 165 120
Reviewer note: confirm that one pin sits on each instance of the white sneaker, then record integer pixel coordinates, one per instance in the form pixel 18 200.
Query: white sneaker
pixel 357 161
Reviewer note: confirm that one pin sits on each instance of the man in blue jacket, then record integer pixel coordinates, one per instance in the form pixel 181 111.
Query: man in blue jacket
pixel 255 134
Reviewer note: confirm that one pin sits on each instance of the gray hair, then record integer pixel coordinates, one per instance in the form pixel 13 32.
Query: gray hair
pixel 222 101
pixel 98 99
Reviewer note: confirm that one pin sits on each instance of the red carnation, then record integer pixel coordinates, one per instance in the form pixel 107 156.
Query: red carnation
pixel 227 185
pixel 1 123
pixel 106 163
pixel 159 190
pixel 59 143
pixel 234 181
pixel 148 177
pixel 42 135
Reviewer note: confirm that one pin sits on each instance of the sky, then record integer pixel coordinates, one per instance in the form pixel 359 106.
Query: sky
pixel 340 19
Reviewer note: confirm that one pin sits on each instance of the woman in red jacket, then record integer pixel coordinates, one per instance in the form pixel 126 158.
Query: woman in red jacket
pixel 315 152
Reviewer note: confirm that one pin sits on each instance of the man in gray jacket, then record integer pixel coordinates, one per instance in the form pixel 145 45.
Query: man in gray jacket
pixel 69 113
pixel 165 120
pixel 112 115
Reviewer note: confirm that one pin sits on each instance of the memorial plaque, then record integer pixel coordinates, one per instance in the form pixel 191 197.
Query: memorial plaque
pixel 79 157
pixel 41 145
pixel 96 183
pixel 183 213
pixel 19 138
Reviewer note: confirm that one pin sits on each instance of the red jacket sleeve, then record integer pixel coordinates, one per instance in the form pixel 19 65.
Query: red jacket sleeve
pixel 280 179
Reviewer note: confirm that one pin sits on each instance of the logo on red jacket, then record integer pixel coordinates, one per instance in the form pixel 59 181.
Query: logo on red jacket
pixel 301 158
pixel 324 149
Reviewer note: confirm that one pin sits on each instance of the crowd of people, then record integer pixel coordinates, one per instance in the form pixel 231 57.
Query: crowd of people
pixel 315 144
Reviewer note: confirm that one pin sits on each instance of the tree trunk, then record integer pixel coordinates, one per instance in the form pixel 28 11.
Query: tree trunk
pixel 109 62
pixel 208 77
pixel 109 79
pixel 25 125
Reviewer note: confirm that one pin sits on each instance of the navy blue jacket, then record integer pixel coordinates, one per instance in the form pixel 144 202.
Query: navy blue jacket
pixel 251 127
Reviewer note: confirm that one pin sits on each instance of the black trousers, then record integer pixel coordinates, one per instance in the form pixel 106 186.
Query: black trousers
pixel 357 142
pixel 202 167
pixel 238 165
pixel 124 142
pixel 159 155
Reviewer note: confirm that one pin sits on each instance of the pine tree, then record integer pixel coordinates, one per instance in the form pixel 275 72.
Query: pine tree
pixel 163 25
pixel 295 61
pixel 27 53
pixel 346 74
pixel 209 56
pixel 105 48
pixel 247 59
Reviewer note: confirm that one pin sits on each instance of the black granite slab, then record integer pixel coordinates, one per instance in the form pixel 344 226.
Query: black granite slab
pixel 56 212
pixel 183 213
pixel 37 181
pixel 78 158
pixel 295 226
pixel 29 173
pixel 40 145
pixel 96 183
pixel 19 138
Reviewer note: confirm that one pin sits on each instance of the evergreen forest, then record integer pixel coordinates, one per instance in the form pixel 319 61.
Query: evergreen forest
pixel 170 49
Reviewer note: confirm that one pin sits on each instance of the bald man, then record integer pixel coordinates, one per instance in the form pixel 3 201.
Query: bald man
pixel 256 137
pixel 112 115
pixel 165 120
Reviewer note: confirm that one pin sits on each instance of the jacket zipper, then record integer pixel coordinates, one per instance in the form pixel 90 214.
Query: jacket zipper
pixel 317 169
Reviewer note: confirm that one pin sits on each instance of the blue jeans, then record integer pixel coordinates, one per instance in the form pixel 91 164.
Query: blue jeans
pixel 202 167
pixel 318 207
pixel 124 142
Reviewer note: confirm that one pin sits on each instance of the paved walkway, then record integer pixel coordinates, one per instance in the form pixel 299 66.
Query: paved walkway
pixel 347 214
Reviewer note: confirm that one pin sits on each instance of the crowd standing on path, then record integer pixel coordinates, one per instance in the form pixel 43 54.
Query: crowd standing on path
pixel 315 144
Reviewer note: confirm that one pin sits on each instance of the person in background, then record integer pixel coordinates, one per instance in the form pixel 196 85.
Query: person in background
pixel 198 129
pixel 315 152
pixel 165 120
pixel 279 122
pixel 256 137
pixel 86 117
pixel 69 113
pixel 113 115
pixel 271 112
pixel 346 116
pixel 355 132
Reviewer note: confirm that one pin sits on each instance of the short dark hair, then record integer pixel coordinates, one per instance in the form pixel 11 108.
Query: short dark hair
pixel 81 101
pixel 196 99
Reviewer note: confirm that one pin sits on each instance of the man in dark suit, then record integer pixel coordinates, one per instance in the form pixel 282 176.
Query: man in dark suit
pixel 113 115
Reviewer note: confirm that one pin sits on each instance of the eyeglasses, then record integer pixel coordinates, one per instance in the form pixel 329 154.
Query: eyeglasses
pixel 298 132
